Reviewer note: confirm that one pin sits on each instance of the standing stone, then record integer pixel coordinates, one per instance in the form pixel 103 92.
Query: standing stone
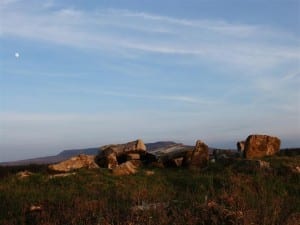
pixel 258 146
pixel 198 158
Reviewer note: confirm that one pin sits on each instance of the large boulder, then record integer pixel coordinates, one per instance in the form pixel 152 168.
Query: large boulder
pixel 76 162
pixel 111 156
pixel 258 146
pixel 172 156
pixel 198 158
pixel 130 147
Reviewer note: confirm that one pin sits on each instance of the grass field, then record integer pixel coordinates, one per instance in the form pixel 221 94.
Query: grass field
pixel 219 194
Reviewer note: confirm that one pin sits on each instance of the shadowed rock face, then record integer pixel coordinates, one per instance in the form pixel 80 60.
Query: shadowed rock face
pixel 240 146
pixel 172 156
pixel 198 158
pixel 258 146
pixel 76 162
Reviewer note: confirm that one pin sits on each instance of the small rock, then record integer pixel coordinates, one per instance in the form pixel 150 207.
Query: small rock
pixel 149 172
pixel 263 164
pixel 149 206
pixel 126 168
pixel 24 174
pixel 62 175
pixel 35 208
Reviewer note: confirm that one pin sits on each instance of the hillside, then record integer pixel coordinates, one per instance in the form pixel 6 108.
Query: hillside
pixel 220 194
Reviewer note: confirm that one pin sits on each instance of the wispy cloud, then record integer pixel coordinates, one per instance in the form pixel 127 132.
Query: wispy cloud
pixel 150 96
pixel 217 25
pixel 254 50
pixel 177 98
pixel 7 2
pixel 112 30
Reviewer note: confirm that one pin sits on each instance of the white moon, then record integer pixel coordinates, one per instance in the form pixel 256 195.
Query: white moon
pixel 17 55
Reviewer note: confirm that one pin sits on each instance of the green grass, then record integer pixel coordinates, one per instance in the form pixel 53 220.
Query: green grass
pixel 97 197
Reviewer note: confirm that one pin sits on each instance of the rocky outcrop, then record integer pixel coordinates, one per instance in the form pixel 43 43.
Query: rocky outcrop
pixel 76 162
pixel 111 156
pixel 125 168
pixel 257 146
pixel 198 158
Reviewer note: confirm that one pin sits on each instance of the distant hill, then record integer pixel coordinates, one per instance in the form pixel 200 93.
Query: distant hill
pixel 160 144
pixel 161 147
pixel 66 154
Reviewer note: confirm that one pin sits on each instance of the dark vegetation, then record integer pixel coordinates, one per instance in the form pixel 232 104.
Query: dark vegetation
pixel 219 194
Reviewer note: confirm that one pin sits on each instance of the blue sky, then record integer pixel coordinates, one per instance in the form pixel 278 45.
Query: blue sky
pixel 98 72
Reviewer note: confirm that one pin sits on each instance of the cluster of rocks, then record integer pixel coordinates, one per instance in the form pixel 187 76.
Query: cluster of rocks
pixel 125 159
pixel 111 156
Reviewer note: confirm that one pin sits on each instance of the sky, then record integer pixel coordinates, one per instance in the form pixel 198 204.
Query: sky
pixel 77 74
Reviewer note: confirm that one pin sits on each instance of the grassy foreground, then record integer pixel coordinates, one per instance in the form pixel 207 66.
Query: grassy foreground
pixel 220 194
